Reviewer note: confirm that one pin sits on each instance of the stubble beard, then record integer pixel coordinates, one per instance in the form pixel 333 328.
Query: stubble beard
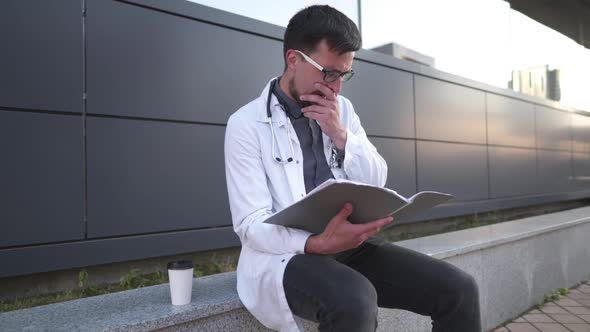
pixel 295 94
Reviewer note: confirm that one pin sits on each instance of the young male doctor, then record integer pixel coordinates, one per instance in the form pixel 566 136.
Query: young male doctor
pixel 298 133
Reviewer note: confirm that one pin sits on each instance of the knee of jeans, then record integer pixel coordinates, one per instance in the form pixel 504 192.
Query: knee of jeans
pixel 358 305
pixel 470 285
pixel 465 288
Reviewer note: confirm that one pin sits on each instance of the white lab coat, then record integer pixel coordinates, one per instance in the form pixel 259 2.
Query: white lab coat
pixel 258 186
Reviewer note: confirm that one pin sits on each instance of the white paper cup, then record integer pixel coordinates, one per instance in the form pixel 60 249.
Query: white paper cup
pixel 180 274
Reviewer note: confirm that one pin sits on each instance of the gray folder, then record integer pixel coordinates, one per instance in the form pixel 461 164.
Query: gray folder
pixel 314 211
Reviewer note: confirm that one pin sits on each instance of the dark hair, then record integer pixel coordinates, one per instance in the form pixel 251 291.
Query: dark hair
pixel 310 25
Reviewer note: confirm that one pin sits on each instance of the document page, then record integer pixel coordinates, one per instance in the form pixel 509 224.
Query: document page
pixel 314 211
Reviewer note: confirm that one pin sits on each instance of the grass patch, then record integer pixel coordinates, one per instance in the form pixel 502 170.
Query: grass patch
pixel 433 227
pixel 132 280
pixel 555 295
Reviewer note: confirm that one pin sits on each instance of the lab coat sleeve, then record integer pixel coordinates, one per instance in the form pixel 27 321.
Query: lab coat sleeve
pixel 362 162
pixel 249 197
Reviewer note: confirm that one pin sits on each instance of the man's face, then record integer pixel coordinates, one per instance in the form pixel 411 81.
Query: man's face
pixel 305 75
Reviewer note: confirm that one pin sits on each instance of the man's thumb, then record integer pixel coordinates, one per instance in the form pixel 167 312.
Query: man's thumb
pixel 345 212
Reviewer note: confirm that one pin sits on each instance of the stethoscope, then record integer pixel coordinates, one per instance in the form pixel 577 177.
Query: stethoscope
pixel 333 163
pixel 274 138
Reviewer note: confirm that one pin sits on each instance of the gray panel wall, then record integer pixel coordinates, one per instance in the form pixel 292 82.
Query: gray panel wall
pixel 145 63
pixel 581 164
pixel 138 164
pixel 581 133
pixel 513 171
pixel 449 112
pixel 555 171
pixel 383 99
pixel 41 62
pixel 510 121
pixel 581 150
pixel 459 169
pixel 150 176
pixel 41 180
pixel 401 163
pixel 553 129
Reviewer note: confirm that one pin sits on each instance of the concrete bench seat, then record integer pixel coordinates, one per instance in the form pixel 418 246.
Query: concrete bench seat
pixel 515 263
pixel 140 309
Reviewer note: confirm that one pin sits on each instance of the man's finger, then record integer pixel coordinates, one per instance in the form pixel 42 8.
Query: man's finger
pixel 370 233
pixel 320 100
pixel 319 117
pixel 316 109
pixel 376 224
pixel 326 91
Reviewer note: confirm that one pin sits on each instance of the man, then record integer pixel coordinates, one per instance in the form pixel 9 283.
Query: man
pixel 297 134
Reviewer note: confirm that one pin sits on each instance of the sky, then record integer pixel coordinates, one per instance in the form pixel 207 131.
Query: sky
pixel 483 40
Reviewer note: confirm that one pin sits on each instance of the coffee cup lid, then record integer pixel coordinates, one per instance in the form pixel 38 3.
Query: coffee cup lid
pixel 181 265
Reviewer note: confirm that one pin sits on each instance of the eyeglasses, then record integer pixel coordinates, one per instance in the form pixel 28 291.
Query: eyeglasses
pixel 329 75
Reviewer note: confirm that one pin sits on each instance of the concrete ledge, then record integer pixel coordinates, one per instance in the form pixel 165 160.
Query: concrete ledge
pixel 451 244
pixel 515 264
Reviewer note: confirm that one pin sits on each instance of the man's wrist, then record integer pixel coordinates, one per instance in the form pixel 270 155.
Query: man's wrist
pixel 313 245
pixel 340 140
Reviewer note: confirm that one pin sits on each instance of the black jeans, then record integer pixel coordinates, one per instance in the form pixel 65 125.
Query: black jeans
pixel 342 292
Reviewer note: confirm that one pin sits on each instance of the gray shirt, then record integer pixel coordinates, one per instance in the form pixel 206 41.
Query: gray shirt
pixel 309 133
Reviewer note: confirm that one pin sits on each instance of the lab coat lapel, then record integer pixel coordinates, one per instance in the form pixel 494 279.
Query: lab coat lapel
pixel 294 169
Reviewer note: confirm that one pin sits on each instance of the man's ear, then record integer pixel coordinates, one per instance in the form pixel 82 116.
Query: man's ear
pixel 291 58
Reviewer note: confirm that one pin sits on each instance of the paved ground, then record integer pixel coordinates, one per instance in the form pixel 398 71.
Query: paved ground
pixel 570 314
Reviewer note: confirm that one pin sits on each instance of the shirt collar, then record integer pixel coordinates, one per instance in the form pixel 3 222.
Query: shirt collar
pixel 291 107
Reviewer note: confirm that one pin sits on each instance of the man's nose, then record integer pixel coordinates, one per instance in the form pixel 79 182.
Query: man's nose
pixel 336 86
